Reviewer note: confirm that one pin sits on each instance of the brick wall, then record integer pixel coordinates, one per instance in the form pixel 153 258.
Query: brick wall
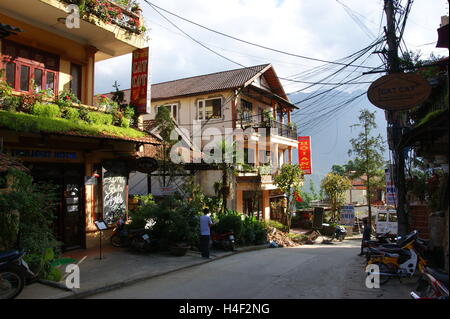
pixel 418 219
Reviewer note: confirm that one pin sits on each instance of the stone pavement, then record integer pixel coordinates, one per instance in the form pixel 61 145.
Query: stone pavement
pixel 118 268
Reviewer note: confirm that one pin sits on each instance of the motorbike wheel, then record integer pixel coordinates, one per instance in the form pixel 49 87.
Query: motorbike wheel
pixel 117 241
pixel 384 269
pixel 12 281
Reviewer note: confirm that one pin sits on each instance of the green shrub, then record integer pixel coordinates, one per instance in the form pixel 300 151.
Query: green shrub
pixel 67 99
pixel 11 103
pixel 46 110
pixel 99 118
pixel 230 221
pixel 254 231
pixel 277 225
pixel 124 122
pixel 72 114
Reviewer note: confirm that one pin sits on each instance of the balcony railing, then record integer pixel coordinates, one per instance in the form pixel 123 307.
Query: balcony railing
pixel 281 129
pixel 110 12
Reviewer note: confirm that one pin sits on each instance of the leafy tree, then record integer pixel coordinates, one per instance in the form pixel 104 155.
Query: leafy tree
pixel 290 180
pixel 368 161
pixel 338 169
pixel 334 187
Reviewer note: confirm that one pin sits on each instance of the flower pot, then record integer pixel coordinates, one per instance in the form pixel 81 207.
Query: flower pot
pixel 178 250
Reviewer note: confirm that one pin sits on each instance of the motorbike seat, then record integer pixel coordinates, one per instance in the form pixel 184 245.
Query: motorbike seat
pixel 377 251
pixel 9 254
pixel 134 231
pixel 439 275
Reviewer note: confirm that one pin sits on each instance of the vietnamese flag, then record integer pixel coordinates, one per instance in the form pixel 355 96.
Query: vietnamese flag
pixel 298 198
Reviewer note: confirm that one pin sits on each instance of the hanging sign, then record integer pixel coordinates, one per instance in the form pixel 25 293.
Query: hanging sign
pixel 399 91
pixel 140 81
pixel 391 192
pixel 304 154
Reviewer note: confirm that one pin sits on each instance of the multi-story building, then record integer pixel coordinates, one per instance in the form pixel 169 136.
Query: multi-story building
pixel 46 49
pixel 205 108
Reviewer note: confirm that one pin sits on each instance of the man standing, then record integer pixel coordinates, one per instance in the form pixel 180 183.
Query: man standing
pixel 205 233
pixel 366 235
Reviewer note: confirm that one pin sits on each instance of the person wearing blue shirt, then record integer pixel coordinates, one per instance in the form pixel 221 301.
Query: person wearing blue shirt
pixel 205 233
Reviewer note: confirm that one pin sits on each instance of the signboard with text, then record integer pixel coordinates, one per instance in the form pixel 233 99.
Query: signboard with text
pixel 304 154
pixel 347 216
pixel 140 81
pixel 391 192
pixel 399 91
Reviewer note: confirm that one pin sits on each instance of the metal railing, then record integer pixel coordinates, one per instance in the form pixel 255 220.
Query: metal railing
pixel 281 128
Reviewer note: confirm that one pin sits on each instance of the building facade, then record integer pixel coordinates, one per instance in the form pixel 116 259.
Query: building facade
pixel 88 162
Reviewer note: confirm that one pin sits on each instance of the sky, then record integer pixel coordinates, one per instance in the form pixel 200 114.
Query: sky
pixel 322 29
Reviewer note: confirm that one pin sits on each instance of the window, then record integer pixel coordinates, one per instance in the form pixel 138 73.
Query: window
pixel 25 65
pixel 247 111
pixel 209 109
pixel 173 108
pixel 75 82
pixel 24 78
pixel 10 73
pixel 38 74
pixel 382 217
pixel 393 217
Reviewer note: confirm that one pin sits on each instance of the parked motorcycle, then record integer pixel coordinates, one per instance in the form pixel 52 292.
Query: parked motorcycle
pixel 224 241
pixel 339 233
pixel 14 274
pixel 137 239
pixel 433 284
pixel 400 261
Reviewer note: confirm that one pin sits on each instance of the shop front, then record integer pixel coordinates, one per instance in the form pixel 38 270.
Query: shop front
pixel 88 174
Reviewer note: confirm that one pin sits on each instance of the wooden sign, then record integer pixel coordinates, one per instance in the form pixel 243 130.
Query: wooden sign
pixel 399 91
pixel 140 81
pixel 304 154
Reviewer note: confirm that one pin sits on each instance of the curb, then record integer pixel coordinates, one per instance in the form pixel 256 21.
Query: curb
pixel 131 281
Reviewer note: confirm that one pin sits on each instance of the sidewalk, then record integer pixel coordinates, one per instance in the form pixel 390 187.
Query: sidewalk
pixel 120 268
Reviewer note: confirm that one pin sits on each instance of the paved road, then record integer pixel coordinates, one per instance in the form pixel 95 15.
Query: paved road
pixel 318 271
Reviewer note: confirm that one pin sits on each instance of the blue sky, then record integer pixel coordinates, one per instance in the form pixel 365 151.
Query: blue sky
pixel 322 29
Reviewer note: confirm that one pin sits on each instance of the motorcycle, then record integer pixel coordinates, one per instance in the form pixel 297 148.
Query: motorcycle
pixel 137 239
pixel 14 274
pixel 401 261
pixel 224 241
pixel 339 233
pixel 433 284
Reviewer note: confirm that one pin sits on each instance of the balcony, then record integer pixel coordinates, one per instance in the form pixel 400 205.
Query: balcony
pixel 113 30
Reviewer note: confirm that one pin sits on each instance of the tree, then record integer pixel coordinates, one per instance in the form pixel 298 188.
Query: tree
pixel 334 187
pixel 289 181
pixel 338 169
pixel 368 161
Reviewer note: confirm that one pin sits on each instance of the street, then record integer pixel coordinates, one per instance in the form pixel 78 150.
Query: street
pixel 317 271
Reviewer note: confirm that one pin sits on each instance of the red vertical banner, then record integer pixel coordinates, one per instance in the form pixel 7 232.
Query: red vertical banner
pixel 140 81
pixel 304 154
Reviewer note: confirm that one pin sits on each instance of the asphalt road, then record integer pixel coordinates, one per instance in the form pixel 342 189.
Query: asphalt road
pixel 316 271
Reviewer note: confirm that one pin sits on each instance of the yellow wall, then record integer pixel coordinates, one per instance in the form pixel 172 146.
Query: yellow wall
pixel 68 50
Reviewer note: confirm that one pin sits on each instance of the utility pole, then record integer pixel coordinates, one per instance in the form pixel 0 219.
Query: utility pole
pixel 394 120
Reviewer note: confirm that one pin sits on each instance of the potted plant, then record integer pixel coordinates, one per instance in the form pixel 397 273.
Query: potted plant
pixel 267 118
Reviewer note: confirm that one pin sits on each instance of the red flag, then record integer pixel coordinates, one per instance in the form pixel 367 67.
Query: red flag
pixel 298 198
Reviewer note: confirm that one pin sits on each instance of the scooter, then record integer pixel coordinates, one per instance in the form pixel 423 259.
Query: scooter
pixel 397 262
pixel 224 241
pixel 339 233
pixel 137 239
pixel 14 274
pixel 433 284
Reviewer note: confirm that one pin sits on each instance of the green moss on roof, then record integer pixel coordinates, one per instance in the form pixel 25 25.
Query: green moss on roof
pixel 430 116
pixel 34 124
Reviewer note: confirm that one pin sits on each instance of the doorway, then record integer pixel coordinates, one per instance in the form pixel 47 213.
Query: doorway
pixel 69 224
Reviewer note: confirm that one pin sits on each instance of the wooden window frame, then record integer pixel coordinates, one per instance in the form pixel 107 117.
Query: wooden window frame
pixel 20 61
pixel 80 73
pixel 203 101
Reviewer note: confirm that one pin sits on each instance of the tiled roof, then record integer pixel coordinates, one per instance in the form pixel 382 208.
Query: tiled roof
pixel 205 83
